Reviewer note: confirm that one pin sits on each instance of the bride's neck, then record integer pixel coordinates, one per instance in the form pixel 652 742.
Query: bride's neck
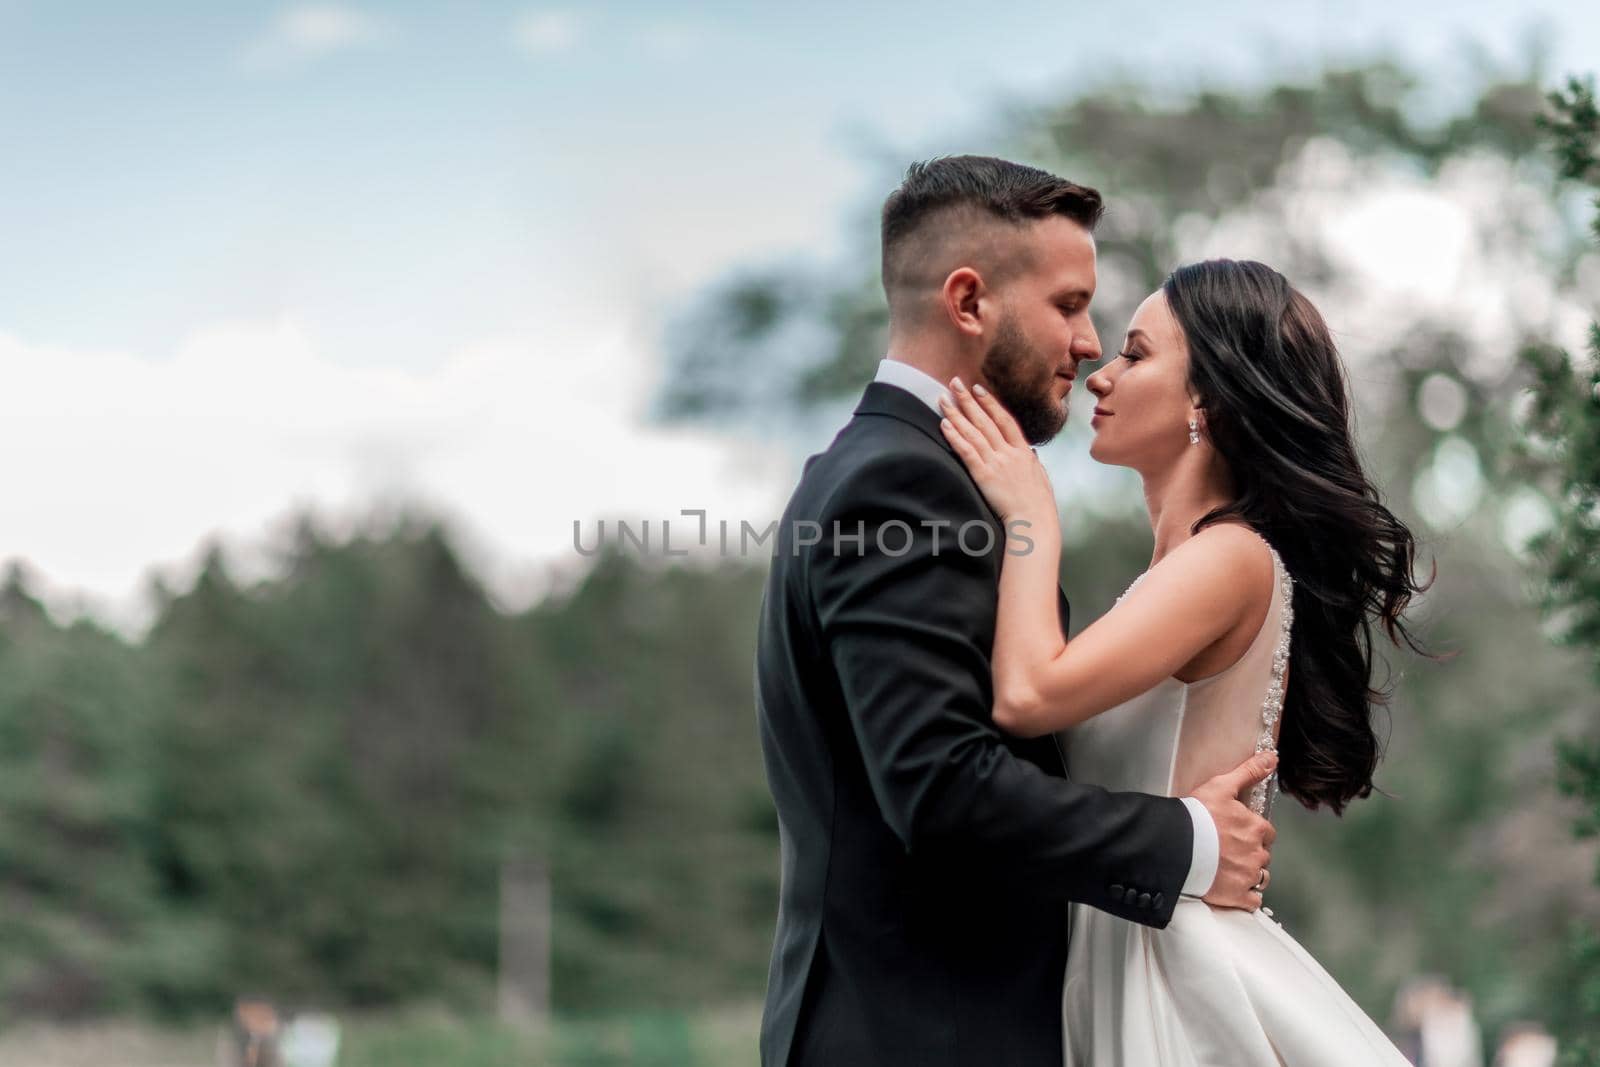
pixel 1176 499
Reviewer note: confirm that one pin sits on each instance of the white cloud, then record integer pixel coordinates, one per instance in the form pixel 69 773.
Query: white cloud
pixel 552 31
pixel 307 31
pixel 540 33
pixel 326 28
pixel 674 40
pixel 133 463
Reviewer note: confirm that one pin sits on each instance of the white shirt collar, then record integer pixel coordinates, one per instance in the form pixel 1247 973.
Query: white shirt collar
pixel 925 387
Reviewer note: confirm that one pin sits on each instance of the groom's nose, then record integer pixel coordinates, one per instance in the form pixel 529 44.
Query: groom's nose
pixel 1086 345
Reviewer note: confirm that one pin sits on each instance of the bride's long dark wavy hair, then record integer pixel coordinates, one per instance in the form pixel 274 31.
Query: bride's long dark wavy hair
pixel 1277 409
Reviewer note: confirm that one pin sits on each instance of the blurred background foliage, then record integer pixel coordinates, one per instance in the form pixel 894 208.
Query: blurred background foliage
pixel 1562 453
pixel 306 785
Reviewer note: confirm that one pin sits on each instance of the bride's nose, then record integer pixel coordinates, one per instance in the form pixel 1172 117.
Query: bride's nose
pixel 1099 382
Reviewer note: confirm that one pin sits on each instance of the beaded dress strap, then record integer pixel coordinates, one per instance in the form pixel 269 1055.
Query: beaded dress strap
pixel 1262 793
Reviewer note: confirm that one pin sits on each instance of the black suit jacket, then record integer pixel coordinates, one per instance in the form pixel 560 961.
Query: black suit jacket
pixel 926 857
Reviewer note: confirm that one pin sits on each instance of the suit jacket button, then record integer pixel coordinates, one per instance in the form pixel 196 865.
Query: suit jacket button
pixel 1116 890
pixel 1159 901
pixel 1144 900
pixel 1131 897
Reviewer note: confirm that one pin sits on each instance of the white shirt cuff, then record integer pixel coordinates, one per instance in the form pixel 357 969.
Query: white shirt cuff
pixel 1207 851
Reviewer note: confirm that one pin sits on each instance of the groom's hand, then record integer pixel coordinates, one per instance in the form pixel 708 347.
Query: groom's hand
pixel 1245 837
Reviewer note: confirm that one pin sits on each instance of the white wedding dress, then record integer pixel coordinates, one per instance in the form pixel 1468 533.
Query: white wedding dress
pixel 1216 988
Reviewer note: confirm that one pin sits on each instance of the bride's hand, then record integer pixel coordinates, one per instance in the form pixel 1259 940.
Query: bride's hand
pixel 991 444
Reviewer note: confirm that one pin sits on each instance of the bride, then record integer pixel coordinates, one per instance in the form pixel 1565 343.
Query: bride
pixel 1251 629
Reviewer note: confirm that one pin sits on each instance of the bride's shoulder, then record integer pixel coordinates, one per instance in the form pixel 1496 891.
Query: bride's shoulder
pixel 1233 555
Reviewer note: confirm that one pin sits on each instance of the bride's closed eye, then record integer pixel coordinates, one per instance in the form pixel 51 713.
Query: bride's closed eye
pixel 1131 356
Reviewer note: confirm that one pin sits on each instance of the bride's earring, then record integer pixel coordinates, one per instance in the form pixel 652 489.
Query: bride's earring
pixel 1194 431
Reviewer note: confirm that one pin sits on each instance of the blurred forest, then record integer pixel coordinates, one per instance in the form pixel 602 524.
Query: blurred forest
pixel 306 786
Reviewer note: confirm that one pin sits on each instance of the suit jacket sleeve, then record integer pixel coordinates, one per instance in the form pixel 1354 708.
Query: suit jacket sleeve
pixel 908 617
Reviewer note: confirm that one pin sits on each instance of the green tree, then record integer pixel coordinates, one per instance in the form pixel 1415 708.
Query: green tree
pixel 82 926
pixel 1564 432
pixel 334 786
pixel 306 787
pixel 664 845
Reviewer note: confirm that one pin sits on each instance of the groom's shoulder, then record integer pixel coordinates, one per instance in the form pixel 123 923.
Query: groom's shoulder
pixel 884 457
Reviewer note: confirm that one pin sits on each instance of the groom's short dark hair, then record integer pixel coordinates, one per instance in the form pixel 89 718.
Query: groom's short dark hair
pixel 996 188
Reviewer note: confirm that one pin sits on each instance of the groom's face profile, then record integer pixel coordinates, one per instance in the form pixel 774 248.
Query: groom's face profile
pixel 1040 327
pixel 1043 330
pixel 989 270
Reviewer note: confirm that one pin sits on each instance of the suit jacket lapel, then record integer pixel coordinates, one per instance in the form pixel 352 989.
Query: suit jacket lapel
pixel 882 399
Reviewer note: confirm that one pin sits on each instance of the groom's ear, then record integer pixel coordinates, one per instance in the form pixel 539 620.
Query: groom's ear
pixel 961 297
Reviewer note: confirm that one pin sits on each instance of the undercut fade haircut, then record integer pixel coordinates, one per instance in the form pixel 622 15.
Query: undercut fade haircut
pixel 985 187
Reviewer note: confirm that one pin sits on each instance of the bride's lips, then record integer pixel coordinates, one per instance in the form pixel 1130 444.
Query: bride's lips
pixel 1099 413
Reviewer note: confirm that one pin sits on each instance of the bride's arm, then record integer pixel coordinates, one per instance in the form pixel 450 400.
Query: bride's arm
pixel 1042 681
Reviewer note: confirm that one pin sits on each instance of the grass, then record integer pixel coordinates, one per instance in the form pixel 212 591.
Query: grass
pixel 712 1038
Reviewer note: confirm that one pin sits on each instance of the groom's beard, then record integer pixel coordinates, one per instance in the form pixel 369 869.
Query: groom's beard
pixel 1021 377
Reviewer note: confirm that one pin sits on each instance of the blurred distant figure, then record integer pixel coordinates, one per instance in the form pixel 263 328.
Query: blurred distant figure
pixel 310 1040
pixel 254 1038
pixel 1526 1045
pixel 1437 1024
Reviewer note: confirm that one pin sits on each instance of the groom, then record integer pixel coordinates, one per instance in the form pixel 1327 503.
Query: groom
pixel 927 858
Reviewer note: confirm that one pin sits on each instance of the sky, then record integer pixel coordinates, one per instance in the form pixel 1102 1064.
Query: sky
pixel 261 257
